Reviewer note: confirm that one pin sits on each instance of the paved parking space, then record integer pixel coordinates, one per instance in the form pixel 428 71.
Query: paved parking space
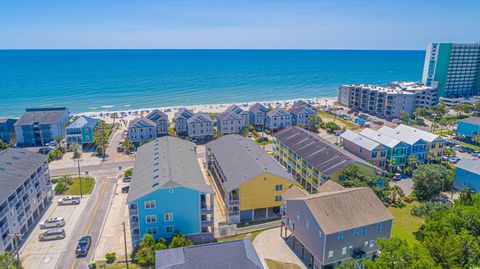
pixel 44 255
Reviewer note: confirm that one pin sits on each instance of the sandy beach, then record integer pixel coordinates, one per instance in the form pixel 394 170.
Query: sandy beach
pixel 128 115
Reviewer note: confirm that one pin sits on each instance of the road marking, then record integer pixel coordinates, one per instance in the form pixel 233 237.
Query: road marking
pixel 93 215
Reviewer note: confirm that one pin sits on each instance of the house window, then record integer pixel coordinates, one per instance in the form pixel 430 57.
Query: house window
pixel 374 154
pixel 168 216
pixel 279 187
pixel 372 243
pixel 151 218
pixel 340 236
pixel 379 227
pixel 344 251
pixel 366 244
pixel 278 198
pixel 355 232
pixel 307 224
pixel 169 229
pixel 330 254
pixel 152 231
pixel 364 230
pixel 150 204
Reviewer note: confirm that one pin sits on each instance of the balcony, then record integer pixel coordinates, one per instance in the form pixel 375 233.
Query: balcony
pixel 207 210
pixel 133 211
pixel 134 224
pixel 207 223
pixel 233 214
pixel 234 202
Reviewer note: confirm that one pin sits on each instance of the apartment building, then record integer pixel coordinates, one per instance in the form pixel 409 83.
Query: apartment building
pixel 453 68
pixel 365 148
pixel 81 131
pixel 168 192
pixel 278 118
pixel 250 181
pixel 7 130
pixel 25 194
pixel 312 160
pixel 141 130
pixel 387 101
pixel 161 120
pixel 200 128
pixel 434 143
pixel 397 151
pixel 180 118
pixel 415 144
pixel 468 127
pixel 38 126
pixel 258 115
pixel 334 225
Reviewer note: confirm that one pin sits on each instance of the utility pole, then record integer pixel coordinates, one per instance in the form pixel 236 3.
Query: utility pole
pixel 15 240
pixel 125 241
pixel 80 178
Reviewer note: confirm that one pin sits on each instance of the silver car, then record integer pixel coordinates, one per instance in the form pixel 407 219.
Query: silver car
pixel 52 234
pixel 69 200
pixel 52 223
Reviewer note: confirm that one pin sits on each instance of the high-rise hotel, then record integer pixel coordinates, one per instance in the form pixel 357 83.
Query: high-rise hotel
pixel 453 68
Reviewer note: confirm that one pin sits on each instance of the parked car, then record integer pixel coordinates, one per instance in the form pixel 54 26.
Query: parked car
pixel 120 148
pixel 52 223
pixel 249 135
pixel 446 158
pixel 69 200
pixel 454 159
pixel 262 139
pixel 127 179
pixel 125 189
pixel 83 246
pixel 52 234
pixel 475 153
pixel 397 176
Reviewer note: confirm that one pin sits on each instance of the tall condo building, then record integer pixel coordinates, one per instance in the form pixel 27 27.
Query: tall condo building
pixel 453 68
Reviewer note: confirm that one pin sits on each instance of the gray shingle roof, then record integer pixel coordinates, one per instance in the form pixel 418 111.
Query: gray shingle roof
pixel 303 109
pixel 237 254
pixel 242 159
pixel 469 165
pixel 15 166
pixel 83 121
pixel 257 107
pixel 278 112
pixel 183 113
pixel 141 123
pixel 42 116
pixel 472 120
pixel 157 115
pixel 229 115
pixel 200 118
pixel 164 163
pixel 321 154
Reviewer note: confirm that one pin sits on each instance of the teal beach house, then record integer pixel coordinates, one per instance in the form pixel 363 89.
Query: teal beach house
pixel 81 131
pixel 168 193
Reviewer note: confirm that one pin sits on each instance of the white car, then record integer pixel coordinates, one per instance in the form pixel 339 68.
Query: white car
pixel 69 200
pixel 52 223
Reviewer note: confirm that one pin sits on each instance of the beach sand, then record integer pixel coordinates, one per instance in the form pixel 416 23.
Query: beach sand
pixel 128 115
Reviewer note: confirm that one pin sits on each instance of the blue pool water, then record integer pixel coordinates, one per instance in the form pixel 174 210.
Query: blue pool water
pixel 95 80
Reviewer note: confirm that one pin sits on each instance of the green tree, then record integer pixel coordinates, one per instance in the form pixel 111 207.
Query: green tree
pixel 114 116
pixel 429 180
pixel 391 163
pixel 332 127
pixel 476 107
pixel 58 139
pixel 354 177
pixel 476 139
pixel 100 137
pixel 398 254
pixel 8 260
pixel 421 112
pixel 145 253
pixel 430 156
pixel 128 172
pixel 179 240
pixel 413 161
pixel 463 108
pixel 395 193
pixel 449 151
pixel 405 117
pixel 76 151
pixel 3 145
pixel 127 145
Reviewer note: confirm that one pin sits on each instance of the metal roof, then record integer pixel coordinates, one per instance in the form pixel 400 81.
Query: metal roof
pixel 380 138
pixel 166 162
pixel 257 107
pixel 200 118
pixel 15 166
pixel 321 154
pixel 141 123
pixel 403 136
pixel 426 136
pixel 83 121
pixel 242 159
pixel 236 254
pixel 229 115
pixel 183 113
pixel 277 112
pixel 157 115
pixel 360 140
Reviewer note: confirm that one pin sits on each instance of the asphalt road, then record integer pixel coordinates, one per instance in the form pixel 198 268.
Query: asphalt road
pixel 91 221
pixel 92 169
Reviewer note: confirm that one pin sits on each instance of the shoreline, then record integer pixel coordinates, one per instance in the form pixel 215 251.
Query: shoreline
pixel 130 114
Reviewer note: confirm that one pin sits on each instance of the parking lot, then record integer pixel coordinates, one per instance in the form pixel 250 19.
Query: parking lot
pixel 45 254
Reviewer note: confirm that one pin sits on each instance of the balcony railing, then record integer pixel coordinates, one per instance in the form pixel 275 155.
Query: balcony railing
pixel 206 223
pixel 233 202
pixel 207 209
pixel 236 213
pixel 133 211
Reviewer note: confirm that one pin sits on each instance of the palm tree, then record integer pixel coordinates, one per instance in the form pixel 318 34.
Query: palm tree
pixel 8 261
pixel 391 164
pixel 430 156
pixel 58 139
pixel 114 116
pixel 476 139
pixel 127 145
pixel 413 161
pixel 395 192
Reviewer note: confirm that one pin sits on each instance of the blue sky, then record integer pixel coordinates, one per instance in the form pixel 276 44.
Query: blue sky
pixel 302 24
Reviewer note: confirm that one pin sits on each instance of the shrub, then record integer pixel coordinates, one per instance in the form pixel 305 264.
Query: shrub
pixel 60 187
pixel 112 256
pixel 128 172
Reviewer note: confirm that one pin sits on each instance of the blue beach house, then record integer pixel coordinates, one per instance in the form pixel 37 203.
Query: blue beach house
pixel 468 127
pixel 415 144
pixel 467 175
pixel 396 149
pixel 168 192
pixel 81 131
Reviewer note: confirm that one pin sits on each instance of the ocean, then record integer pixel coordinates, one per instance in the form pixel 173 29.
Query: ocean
pixel 99 80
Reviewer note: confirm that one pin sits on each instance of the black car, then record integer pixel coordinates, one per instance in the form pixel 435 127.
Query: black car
pixel 83 246
pixel 125 189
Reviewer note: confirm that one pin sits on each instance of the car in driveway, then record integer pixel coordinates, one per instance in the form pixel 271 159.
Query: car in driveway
pixel 125 189
pixel 83 246
pixel 69 200
pixel 453 159
pixel 127 179
pixel 52 234
pixel 52 223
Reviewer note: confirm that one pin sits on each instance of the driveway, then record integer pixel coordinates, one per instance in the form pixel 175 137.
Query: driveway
pixel 36 254
pixel 270 245
pixel 406 184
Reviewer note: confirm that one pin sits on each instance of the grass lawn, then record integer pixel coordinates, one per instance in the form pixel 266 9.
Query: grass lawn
pixel 87 186
pixel 117 265
pixel 404 224
pixel 250 236
pixel 281 265
pixel 469 146
pixel 344 123
pixel 443 132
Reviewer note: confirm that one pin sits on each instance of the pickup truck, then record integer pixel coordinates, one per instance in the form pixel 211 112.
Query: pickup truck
pixel 83 246
pixel 69 200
